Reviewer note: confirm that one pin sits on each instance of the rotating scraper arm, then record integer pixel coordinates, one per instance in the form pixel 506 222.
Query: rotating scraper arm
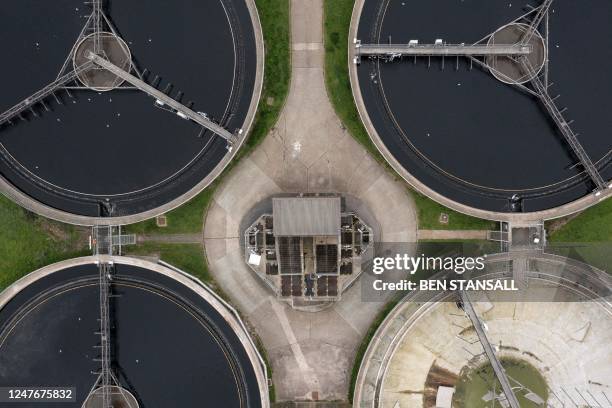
pixel 163 98
pixel 44 92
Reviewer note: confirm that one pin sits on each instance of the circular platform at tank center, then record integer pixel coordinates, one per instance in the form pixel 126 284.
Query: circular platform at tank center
pixel 509 69
pixel 112 48
pixel 119 398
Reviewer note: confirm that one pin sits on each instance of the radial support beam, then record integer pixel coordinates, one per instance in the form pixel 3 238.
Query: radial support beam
pixel 43 93
pixel 163 99
pixel 486 66
pixel 97 25
pixel 537 20
pixel 500 373
pixel 105 379
pixel 445 50
pixel 563 126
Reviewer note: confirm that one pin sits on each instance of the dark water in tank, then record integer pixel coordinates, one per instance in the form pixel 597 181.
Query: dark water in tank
pixel 163 352
pixel 113 143
pixel 473 127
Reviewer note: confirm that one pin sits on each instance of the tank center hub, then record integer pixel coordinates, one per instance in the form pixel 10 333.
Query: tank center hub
pixel 113 49
pixel 510 70
pixel 118 397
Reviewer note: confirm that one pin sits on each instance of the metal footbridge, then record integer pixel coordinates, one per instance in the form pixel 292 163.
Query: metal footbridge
pixel 500 373
pixel 482 48
pixel 103 239
pixel 542 12
pixel 106 241
pixel 163 99
pixel 105 379
pixel 71 77
pixel 563 126
pixel 97 18
pixel 441 49
pixel 40 95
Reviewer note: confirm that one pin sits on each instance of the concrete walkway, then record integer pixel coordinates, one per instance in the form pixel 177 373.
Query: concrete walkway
pixel 311 354
pixel 452 234
pixel 171 238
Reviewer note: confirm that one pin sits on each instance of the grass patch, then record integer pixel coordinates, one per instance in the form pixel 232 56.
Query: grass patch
pixel 429 217
pixel 337 22
pixel 274 17
pixel 367 340
pixel 188 257
pixel 29 242
pixel 596 254
pixel 592 225
pixel 186 219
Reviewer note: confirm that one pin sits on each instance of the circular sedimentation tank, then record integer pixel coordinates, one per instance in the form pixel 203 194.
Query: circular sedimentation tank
pixel 172 342
pixel 97 147
pixel 471 133
pixel 551 337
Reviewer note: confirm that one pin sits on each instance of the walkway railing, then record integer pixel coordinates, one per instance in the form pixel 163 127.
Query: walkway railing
pixel 452 50
pixel 486 345
pixel 48 90
pixel 163 99
pixel 562 124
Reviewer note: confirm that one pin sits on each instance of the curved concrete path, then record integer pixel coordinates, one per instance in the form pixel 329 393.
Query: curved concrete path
pixel 308 151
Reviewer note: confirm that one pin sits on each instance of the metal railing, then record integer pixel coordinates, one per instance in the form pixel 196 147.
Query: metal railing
pixel 535 23
pixel 43 93
pixel 486 345
pixel 105 379
pixel 452 50
pixel 97 25
pixel 562 124
pixel 163 99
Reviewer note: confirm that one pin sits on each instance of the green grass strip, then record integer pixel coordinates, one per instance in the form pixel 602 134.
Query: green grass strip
pixel 592 225
pixel 29 242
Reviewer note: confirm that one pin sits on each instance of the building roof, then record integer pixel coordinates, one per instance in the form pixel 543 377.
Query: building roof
pixel 444 397
pixel 306 216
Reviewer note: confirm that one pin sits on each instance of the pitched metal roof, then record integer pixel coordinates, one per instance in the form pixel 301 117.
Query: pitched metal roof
pixel 306 216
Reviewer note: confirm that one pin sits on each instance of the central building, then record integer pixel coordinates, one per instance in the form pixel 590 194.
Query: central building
pixel 309 249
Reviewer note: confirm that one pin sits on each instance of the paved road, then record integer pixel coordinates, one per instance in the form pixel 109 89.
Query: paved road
pixel 171 238
pixel 308 151
pixel 452 234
